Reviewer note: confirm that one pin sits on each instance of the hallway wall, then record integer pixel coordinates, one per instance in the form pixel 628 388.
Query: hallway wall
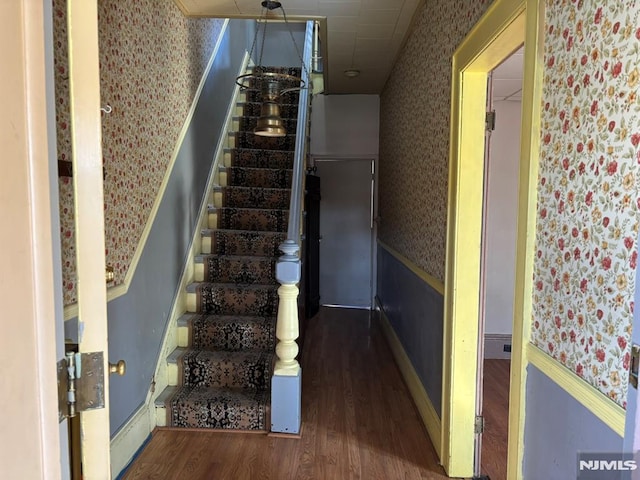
pixel 587 210
pixel 414 134
pixel 588 184
pixel 151 61
pixel 412 190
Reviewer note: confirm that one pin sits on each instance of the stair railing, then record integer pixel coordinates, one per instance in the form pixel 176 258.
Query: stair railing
pixel 286 382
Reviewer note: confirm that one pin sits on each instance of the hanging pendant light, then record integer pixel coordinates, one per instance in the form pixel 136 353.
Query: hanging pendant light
pixel 271 85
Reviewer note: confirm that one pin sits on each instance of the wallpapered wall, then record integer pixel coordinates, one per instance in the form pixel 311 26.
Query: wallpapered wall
pixel 589 180
pixel 151 61
pixel 414 134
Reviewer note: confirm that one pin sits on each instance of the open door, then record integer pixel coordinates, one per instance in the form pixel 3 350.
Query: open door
pixel 86 141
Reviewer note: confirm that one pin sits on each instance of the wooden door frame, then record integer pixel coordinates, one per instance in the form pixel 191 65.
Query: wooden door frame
pixel 502 29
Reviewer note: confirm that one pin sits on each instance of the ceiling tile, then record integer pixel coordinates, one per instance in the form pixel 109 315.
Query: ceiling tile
pixel 339 9
pixel 376 31
pixel 378 17
pixel 342 24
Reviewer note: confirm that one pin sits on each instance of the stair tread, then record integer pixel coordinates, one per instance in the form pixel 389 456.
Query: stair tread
pixel 222 408
pixel 191 288
pixel 237 257
pixel 240 187
pixel 211 231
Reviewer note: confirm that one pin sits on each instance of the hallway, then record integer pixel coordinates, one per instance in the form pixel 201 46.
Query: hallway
pixel 358 420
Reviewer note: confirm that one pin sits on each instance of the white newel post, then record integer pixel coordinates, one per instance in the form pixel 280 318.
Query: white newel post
pixel 286 384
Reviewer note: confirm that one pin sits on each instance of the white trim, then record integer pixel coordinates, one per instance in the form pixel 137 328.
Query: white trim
pixel 420 397
pixel 125 443
pixel 612 414
pixel 71 311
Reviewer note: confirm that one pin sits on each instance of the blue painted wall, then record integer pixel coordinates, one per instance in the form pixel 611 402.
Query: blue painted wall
pixel 557 427
pixel 415 311
pixel 279 50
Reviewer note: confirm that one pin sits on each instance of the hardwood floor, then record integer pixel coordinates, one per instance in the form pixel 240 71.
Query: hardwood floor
pixel 358 421
pixel 496 418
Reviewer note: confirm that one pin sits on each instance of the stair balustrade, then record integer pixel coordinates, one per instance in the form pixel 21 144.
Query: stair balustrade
pixel 287 380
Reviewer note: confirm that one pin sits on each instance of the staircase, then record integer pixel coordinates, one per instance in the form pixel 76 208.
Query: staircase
pixel 220 375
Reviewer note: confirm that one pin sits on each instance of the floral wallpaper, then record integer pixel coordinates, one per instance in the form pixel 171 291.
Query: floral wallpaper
pixel 588 190
pixel 151 61
pixel 414 134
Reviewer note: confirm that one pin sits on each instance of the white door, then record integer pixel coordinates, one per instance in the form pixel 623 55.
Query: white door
pixel 346 231
pixel 33 442
pixel 86 141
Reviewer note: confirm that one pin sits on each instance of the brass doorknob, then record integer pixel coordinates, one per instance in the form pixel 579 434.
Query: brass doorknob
pixel 120 368
pixel 109 274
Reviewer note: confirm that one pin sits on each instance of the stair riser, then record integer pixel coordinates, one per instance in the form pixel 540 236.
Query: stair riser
pixel 223 412
pixel 239 271
pixel 250 140
pixel 260 159
pixel 256 220
pixel 235 336
pixel 252 198
pixel 245 243
pixel 203 371
pixel 258 178
pixel 218 301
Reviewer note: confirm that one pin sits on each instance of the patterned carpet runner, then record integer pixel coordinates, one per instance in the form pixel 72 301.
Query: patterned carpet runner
pixel 225 374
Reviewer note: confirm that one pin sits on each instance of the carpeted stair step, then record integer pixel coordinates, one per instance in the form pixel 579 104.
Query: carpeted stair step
pixel 241 270
pixel 252 109
pixel 218 408
pixel 240 369
pixel 247 124
pixel 256 219
pixel 240 242
pixel 251 140
pixel 252 197
pixel 258 177
pixel 252 158
pixel 229 299
pixel 229 332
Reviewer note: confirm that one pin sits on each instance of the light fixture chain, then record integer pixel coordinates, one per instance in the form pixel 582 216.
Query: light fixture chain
pixel 264 37
pixel 286 22
pixel 263 15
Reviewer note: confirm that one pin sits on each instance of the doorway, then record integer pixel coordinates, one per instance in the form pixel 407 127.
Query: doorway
pixel 502 29
pixel 346 231
pixel 499 234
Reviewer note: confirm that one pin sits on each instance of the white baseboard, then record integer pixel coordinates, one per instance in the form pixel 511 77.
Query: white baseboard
pixel 495 344
pixel 129 439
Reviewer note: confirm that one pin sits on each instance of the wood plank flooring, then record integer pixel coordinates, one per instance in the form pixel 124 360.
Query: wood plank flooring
pixel 496 418
pixel 359 421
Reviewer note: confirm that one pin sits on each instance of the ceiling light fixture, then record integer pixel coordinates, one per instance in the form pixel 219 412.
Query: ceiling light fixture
pixel 271 85
pixel 351 73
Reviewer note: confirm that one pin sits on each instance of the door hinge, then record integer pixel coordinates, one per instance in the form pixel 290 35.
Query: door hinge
pixel 80 383
pixel 490 121
pixel 479 424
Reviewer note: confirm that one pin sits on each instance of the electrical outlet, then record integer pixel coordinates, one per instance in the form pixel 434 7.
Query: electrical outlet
pixel 506 348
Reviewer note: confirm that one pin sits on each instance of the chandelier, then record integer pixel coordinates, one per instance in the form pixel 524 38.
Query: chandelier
pixel 271 85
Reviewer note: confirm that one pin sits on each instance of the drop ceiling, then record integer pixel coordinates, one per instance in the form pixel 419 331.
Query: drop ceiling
pixel 364 35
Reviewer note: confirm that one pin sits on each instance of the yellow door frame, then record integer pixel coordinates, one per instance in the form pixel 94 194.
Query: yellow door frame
pixel 502 29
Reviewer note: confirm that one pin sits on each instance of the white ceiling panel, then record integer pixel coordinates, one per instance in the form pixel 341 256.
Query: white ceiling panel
pixel 361 34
